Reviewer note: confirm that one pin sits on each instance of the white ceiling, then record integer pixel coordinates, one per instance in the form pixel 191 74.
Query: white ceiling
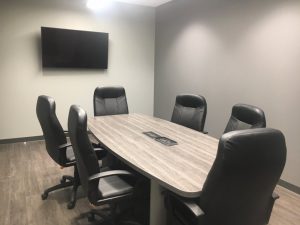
pixel 152 3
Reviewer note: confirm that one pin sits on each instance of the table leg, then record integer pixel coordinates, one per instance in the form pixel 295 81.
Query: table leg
pixel 157 208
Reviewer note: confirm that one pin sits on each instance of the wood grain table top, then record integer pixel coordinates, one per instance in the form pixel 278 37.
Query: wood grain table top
pixel 181 168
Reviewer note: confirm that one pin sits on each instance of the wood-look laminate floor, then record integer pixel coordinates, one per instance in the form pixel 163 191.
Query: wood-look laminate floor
pixel 26 170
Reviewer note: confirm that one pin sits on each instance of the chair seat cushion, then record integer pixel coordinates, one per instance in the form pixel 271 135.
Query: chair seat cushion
pixel 113 186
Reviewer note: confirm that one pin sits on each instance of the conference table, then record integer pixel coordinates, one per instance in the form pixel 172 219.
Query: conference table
pixel 172 156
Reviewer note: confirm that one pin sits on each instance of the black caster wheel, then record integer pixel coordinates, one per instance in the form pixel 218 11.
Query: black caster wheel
pixel 44 196
pixel 91 217
pixel 71 205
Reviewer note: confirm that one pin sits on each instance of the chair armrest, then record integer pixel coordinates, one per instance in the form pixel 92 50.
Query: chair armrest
pixel 61 147
pixel 189 204
pixel 69 145
pixel 275 196
pixel 110 173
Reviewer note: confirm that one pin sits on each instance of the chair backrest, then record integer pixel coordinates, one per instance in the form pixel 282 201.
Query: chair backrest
pixel 190 111
pixel 52 130
pixel 110 101
pixel 86 158
pixel 245 117
pixel 238 189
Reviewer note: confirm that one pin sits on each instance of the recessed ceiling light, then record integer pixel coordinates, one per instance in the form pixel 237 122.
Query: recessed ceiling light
pixel 98 5
pixel 104 4
pixel 153 3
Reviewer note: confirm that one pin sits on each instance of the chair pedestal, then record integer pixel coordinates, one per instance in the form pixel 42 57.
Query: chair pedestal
pixel 56 187
pixel 66 181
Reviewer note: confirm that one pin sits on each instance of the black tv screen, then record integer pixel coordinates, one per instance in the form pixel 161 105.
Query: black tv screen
pixel 62 48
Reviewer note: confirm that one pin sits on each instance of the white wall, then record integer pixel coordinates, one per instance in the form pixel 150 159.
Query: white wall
pixel 233 51
pixel 131 60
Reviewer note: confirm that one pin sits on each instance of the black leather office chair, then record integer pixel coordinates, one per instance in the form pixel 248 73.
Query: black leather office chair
pixel 239 187
pixel 245 117
pixel 110 101
pixel 56 144
pixel 107 187
pixel 57 147
pixel 190 111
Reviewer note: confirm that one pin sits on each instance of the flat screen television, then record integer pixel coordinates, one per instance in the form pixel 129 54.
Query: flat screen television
pixel 63 48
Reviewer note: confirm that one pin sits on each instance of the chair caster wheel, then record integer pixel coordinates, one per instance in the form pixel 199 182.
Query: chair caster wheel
pixel 71 205
pixel 91 217
pixel 44 196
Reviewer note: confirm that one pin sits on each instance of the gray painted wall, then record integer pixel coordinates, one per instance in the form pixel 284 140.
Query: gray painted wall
pixel 233 52
pixel 131 31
